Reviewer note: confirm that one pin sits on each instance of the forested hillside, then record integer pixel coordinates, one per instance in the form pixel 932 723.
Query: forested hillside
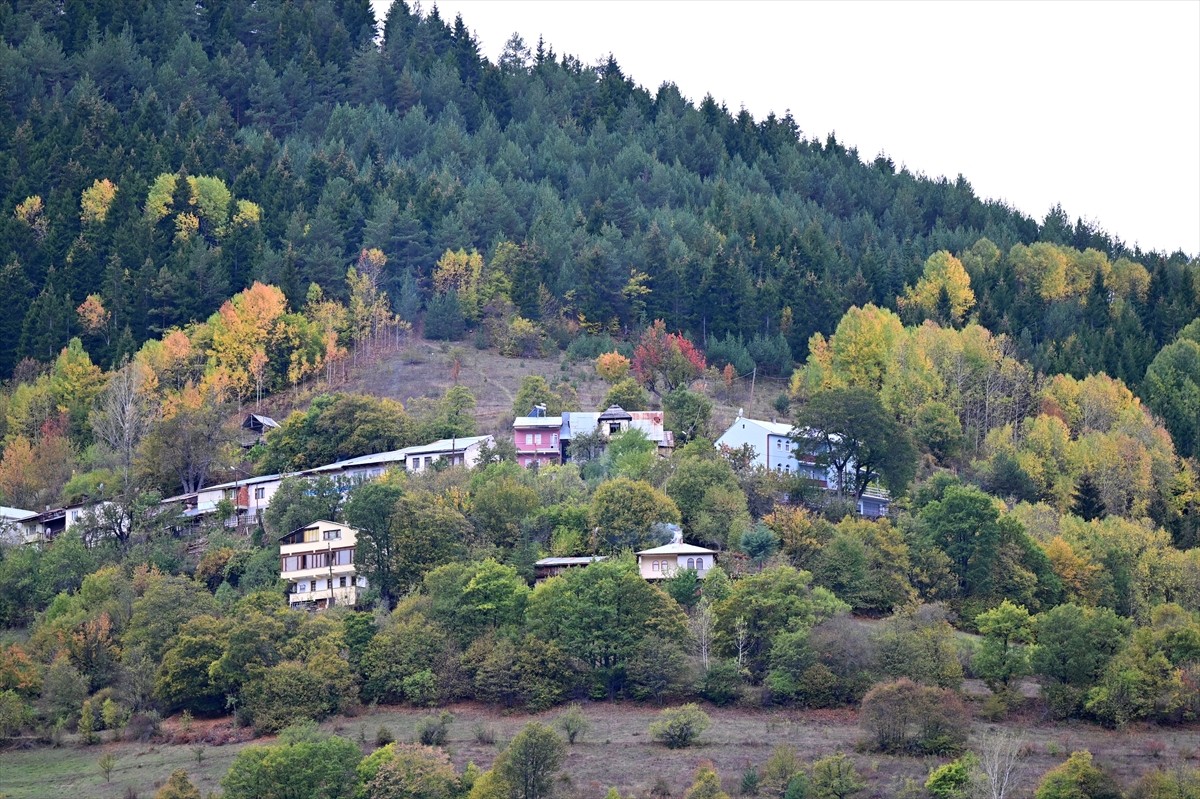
pixel 209 205
pixel 295 142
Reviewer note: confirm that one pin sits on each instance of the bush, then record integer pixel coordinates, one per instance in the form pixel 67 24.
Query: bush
pixel 143 726
pixel 384 736
pixel 750 782
pixel 573 723
pixel 1077 778
pixel 484 734
pixel 433 730
pixel 678 727
pixel 903 716
pixel 835 777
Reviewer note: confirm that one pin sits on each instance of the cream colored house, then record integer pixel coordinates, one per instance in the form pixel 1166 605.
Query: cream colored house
pixel 666 561
pixel 318 562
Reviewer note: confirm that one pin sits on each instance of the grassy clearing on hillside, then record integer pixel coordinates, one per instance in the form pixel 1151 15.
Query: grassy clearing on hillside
pixel 616 751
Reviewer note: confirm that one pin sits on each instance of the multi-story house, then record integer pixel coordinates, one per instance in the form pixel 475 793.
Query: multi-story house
pixel 542 439
pixel 317 561
pixel 776 449
pixel 537 438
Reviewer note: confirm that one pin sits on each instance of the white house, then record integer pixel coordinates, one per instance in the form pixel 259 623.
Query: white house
pixel 40 528
pixel 252 495
pixel 317 561
pixel 659 563
pixel 12 529
pixel 455 451
pixel 776 450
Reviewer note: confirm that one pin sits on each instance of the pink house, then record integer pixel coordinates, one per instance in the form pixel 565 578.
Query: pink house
pixel 537 440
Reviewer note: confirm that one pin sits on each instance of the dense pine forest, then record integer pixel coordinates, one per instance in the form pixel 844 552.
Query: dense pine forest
pixel 209 204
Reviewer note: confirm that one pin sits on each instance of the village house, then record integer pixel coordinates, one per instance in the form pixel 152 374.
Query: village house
pixel 251 496
pixel 254 428
pixel 537 438
pixel 543 440
pixel 659 563
pixel 317 561
pixel 775 449
pixel 546 568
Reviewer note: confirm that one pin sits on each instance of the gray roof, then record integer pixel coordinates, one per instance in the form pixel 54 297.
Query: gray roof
pixel 579 561
pixel 615 413
pixel 16 514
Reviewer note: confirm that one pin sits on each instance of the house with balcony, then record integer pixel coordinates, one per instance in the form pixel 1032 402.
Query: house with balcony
pixel 777 448
pixel 537 439
pixel 317 561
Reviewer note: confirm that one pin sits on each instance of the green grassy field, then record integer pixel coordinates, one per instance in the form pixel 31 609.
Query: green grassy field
pixel 617 751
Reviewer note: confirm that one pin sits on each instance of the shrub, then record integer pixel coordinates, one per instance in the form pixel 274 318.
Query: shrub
pixel 902 716
pixel 835 777
pixel 678 727
pixel 384 736
pixel 750 782
pixel 952 780
pixel 1077 778
pixel 573 723
pixel 178 786
pixel 780 771
pixel 107 763
pixel 484 734
pixel 433 730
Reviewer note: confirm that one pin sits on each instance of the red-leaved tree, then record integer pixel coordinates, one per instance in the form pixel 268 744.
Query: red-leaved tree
pixel 665 361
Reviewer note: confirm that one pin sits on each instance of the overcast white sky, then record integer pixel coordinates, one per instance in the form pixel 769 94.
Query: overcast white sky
pixel 1095 105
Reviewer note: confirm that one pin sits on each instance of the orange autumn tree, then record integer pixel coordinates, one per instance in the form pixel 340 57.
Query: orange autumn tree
pixel 241 331
pixel 612 366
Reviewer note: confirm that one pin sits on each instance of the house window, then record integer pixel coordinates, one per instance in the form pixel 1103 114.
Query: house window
pixel 529 438
pixel 312 585
pixel 291 563
pixel 654 566
pixel 554 439
pixel 259 493
pixel 312 534
pixel 537 439
pixel 301 588
pixel 787 468
pixel 331 535
pixel 691 563
pixel 343 557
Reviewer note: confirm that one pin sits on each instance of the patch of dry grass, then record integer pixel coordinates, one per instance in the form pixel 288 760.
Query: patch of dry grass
pixel 615 752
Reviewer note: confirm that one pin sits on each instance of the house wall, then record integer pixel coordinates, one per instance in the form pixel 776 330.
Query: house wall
pixel 659 567
pixel 537 444
pixel 318 582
